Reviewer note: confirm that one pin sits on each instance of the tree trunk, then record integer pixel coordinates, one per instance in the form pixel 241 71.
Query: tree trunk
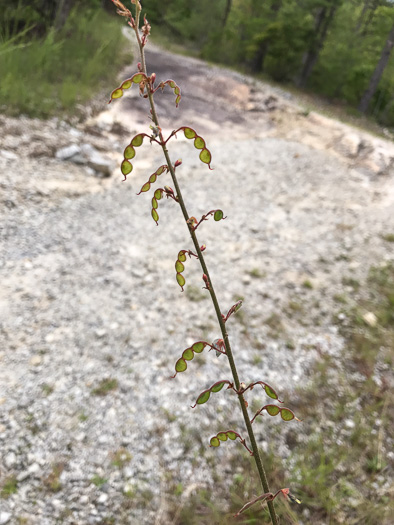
pixel 257 62
pixel 377 74
pixel 323 21
pixel 226 13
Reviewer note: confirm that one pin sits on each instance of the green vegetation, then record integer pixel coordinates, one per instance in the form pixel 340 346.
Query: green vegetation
pixel 52 481
pixel 105 387
pixel 338 49
pixel 98 480
pixel 9 487
pixel 307 284
pixel 337 469
pixel 52 73
pixel 120 458
pixel 389 237
pixel 339 463
pixel 47 389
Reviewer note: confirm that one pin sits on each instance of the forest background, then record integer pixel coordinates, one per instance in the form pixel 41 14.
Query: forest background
pixel 339 49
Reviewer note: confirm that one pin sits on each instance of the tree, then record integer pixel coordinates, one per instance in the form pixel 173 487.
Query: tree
pixel 323 19
pixel 263 42
pixel 226 12
pixel 378 72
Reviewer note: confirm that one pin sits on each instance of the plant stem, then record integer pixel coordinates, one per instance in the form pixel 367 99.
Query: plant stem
pixel 256 454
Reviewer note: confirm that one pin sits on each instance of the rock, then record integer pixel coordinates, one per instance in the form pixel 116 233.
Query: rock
pixel 96 161
pixel 8 155
pixel 370 318
pixel 10 460
pixel 380 161
pixel 86 155
pixel 68 152
pixel 102 498
pixel 349 145
pixel 5 517
pixel 36 360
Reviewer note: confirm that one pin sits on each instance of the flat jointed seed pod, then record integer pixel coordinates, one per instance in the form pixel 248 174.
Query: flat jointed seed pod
pixel 126 84
pixel 188 355
pixel 204 396
pixel 199 143
pixel 273 410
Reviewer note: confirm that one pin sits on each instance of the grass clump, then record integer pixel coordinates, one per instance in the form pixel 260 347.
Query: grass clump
pixel 52 481
pixel 389 237
pixel 105 387
pixel 98 481
pixel 120 458
pixel 340 468
pixel 9 487
pixel 51 75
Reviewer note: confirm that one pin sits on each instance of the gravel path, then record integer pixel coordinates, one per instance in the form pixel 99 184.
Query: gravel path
pixel 92 320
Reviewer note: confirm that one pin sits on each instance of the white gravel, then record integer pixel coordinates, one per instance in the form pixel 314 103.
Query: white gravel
pixel 89 293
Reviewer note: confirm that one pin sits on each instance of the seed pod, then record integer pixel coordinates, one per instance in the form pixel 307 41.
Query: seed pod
pixel 138 78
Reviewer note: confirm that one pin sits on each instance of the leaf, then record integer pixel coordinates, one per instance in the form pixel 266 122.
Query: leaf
pixel 218 215
pixel 188 355
pixel 126 84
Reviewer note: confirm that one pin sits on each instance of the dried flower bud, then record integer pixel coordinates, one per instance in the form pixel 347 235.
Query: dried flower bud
pixel 206 281
pixel 169 191
pixel 191 221
pixel 146 27
pixel 203 247
pixel 177 163
pixel 152 78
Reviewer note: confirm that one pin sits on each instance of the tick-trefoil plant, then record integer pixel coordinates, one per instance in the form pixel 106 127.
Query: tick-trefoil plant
pixel 148 87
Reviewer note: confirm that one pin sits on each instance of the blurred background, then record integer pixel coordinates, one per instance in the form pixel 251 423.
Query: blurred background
pixel 339 50
pixel 295 99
